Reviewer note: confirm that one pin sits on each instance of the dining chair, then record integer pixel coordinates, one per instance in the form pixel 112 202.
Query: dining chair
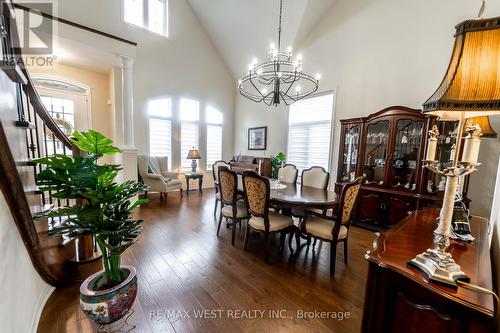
pixel 215 174
pixel 231 207
pixel 257 198
pixel 316 177
pixel 335 228
pixel 288 174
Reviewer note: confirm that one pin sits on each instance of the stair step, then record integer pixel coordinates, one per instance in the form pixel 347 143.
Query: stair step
pixel 65 240
pixel 24 124
pixel 38 210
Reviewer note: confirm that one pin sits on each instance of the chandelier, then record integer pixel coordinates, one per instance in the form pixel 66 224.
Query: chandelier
pixel 278 79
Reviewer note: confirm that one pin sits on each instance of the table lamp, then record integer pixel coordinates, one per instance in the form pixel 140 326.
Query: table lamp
pixel 470 88
pixel 194 155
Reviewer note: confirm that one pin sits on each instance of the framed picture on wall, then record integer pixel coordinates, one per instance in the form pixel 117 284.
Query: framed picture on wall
pixel 257 138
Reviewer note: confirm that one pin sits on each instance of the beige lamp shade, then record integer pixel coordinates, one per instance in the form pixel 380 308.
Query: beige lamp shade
pixel 193 154
pixel 471 86
pixel 484 123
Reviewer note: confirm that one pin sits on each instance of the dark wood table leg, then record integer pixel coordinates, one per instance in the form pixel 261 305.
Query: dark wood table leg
pixel 200 185
pixel 187 185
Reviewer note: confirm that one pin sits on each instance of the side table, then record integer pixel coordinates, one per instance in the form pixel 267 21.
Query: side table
pixel 194 175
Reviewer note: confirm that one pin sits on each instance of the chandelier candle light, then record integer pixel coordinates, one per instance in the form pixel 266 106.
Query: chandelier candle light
pixel 279 79
pixel 469 89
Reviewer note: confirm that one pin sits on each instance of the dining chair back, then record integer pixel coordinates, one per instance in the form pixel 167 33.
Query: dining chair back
pixel 215 169
pixel 228 184
pixel 215 174
pixel 288 174
pixel 348 196
pixel 316 177
pixel 257 194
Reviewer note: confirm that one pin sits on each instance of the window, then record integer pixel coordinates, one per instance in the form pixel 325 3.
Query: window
pixel 149 14
pixel 214 136
pixel 160 128
pixel 62 111
pixel 190 116
pixel 309 131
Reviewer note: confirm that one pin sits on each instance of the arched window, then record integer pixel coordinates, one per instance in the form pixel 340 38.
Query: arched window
pixel 214 120
pixel 160 128
pixel 190 125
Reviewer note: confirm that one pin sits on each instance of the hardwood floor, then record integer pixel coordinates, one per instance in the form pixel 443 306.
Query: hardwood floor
pixel 183 266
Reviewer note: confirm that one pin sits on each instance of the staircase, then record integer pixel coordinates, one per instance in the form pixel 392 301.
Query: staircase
pixel 28 132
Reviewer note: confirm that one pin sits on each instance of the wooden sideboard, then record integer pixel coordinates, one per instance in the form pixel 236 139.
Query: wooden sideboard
pixel 400 299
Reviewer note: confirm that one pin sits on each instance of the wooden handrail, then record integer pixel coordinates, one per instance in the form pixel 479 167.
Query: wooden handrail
pixel 42 112
pixel 49 254
pixel 76 25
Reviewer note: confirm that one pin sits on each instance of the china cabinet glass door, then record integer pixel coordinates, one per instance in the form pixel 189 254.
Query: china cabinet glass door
pixel 435 183
pixel 405 155
pixel 351 146
pixel 375 157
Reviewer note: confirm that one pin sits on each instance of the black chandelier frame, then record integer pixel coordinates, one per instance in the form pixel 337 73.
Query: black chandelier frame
pixel 280 75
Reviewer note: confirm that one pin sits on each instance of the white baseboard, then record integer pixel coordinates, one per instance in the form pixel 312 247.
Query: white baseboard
pixel 44 296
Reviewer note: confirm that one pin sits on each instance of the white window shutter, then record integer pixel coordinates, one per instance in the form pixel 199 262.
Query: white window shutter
pixel 309 132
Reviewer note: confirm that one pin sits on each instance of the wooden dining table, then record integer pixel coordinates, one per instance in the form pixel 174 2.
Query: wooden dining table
pixel 297 196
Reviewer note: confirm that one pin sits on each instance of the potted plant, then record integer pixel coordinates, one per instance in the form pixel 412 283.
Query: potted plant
pixel 277 162
pixel 99 207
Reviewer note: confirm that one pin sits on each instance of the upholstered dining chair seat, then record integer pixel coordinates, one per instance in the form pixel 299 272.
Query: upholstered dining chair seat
pixel 322 228
pixel 276 222
pixel 241 210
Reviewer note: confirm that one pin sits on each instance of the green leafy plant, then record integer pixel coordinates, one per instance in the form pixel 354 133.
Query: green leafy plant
pixel 276 162
pixel 102 207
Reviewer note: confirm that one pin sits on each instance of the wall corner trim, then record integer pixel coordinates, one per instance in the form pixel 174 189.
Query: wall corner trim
pixel 40 304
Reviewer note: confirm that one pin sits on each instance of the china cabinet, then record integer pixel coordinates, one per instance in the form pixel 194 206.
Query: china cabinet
pixel 387 148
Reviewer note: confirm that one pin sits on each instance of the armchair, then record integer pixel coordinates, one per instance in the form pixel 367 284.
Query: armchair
pixel 154 173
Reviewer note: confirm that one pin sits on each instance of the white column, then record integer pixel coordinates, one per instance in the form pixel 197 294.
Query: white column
pixel 128 106
pixel 128 157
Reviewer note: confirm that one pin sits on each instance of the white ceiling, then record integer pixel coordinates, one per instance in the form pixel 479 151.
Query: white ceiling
pixel 243 29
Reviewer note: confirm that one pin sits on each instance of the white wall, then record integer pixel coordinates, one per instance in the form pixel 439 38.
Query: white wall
pixel 377 54
pixel 23 291
pixel 185 64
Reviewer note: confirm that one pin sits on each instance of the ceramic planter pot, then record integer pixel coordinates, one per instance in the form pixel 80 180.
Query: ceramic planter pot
pixel 108 305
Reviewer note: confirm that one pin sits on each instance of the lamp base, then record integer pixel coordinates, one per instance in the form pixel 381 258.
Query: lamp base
pixel 194 166
pixel 439 265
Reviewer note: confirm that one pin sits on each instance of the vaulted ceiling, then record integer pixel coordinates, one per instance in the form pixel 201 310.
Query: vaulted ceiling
pixel 243 29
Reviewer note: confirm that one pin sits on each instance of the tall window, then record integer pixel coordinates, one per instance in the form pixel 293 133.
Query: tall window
pixel 309 131
pixel 149 14
pixel 160 128
pixel 214 136
pixel 190 117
